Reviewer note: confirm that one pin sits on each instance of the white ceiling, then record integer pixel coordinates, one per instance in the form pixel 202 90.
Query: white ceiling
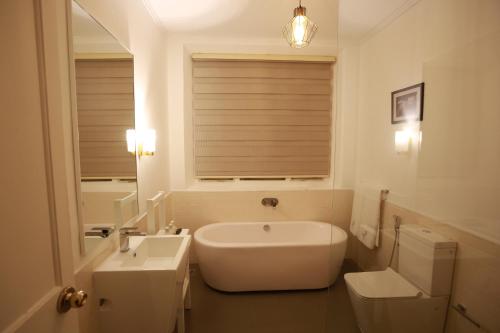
pixel 265 18
pixel 241 18
pixel 90 36
pixel 359 17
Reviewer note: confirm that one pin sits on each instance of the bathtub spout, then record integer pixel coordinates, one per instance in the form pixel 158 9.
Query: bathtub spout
pixel 273 202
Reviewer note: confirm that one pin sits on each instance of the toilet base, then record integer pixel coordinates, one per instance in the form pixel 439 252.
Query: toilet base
pixel 399 315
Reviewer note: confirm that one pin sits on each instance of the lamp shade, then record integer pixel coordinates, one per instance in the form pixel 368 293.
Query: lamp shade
pixel 149 142
pixel 300 30
pixel 131 141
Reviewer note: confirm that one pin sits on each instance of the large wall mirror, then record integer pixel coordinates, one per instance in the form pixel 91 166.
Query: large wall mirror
pixel 104 73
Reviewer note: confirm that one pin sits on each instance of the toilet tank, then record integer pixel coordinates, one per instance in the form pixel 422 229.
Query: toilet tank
pixel 426 259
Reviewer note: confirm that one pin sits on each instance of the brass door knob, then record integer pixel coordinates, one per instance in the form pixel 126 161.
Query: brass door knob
pixel 70 298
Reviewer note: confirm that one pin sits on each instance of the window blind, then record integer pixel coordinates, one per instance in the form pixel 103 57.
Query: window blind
pixel 105 104
pixel 261 119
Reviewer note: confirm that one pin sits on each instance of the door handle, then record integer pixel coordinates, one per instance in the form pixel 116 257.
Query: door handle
pixel 70 298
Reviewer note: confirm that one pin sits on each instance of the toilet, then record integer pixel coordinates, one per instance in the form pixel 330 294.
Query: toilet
pixel 415 299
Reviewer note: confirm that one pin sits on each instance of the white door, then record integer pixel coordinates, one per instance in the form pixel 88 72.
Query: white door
pixel 35 237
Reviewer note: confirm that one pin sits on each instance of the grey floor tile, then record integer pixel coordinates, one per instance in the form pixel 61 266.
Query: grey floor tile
pixel 313 311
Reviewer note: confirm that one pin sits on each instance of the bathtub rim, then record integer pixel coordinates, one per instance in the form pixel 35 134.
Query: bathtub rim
pixel 339 237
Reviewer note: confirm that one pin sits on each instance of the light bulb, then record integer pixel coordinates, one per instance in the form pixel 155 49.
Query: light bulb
pixel 149 142
pixel 402 141
pixel 299 25
pixel 131 141
pixel 299 31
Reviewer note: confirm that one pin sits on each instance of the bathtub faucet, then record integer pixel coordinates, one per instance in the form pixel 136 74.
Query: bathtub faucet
pixel 273 202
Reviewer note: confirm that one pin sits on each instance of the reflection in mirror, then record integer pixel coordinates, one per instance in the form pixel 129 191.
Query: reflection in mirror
pixel 105 106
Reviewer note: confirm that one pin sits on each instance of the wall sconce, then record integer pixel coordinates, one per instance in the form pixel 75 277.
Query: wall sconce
pixel 141 142
pixel 131 141
pixel 402 140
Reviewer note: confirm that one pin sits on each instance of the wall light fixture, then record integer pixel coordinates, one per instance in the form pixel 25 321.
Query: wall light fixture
pixel 406 138
pixel 300 30
pixel 402 141
pixel 141 142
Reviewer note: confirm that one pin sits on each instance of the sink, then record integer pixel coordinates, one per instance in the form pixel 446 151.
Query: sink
pixel 148 253
pixel 141 290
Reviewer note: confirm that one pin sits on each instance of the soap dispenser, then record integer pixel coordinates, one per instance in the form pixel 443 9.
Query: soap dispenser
pixel 170 229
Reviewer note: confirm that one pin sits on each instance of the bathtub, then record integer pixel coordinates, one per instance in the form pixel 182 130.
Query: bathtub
pixel 252 256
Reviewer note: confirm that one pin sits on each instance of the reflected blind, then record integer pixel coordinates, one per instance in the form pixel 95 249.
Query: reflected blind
pixel 261 119
pixel 105 104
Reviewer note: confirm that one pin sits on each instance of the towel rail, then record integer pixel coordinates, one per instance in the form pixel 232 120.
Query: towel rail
pixel 462 310
pixel 121 203
pixel 383 197
pixel 157 201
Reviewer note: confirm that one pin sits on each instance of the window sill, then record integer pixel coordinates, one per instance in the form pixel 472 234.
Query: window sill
pixel 261 185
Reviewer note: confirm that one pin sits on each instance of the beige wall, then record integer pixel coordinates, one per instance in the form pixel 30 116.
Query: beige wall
pixel 98 207
pixel 452 176
pixel 453 46
pixel 346 117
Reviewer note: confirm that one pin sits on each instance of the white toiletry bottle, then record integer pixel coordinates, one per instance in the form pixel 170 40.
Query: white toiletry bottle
pixel 171 228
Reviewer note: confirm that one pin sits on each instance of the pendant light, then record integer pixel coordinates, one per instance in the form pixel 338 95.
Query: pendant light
pixel 300 30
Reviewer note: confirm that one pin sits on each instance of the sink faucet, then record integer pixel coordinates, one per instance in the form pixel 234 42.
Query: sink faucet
pixel 124 237
pixel 103 232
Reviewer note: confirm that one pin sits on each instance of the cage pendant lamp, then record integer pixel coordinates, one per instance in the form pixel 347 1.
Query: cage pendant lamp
pixel 300 30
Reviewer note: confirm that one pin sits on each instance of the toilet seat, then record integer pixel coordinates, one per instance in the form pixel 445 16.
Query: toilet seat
pixel 381 285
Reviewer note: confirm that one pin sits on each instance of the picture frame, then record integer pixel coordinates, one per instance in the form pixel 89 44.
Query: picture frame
pixel 407 104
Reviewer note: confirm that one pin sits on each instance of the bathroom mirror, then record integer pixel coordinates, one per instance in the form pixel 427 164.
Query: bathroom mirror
pixel 104 89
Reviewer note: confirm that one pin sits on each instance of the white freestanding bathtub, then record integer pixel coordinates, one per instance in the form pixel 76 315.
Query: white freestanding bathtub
pixel 253 256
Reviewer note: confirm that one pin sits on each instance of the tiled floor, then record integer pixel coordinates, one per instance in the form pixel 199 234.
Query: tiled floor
pixel 318 311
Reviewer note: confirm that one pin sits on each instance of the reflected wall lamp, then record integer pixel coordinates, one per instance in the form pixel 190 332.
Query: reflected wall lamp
pixel 300 30
pixel 141 142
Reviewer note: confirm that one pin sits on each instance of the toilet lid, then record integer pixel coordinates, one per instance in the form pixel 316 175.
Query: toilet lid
pixel 381 284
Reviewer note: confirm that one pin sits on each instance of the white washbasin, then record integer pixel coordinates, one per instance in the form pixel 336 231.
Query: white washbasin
pixel 148 253
pixel 141 290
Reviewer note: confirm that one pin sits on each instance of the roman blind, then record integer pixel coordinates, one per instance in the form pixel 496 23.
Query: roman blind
pixel 261 119
pixel 105 104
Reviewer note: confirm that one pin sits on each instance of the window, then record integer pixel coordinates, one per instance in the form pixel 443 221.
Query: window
pixel 105 104
pixel 261 119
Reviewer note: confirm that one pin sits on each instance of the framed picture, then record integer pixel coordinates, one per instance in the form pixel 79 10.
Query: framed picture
pixel 408 104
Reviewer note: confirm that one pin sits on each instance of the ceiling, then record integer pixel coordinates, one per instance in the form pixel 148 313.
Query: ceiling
pixel 241 18
pixel 265 18
pixel 90 36
pixel 359 17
